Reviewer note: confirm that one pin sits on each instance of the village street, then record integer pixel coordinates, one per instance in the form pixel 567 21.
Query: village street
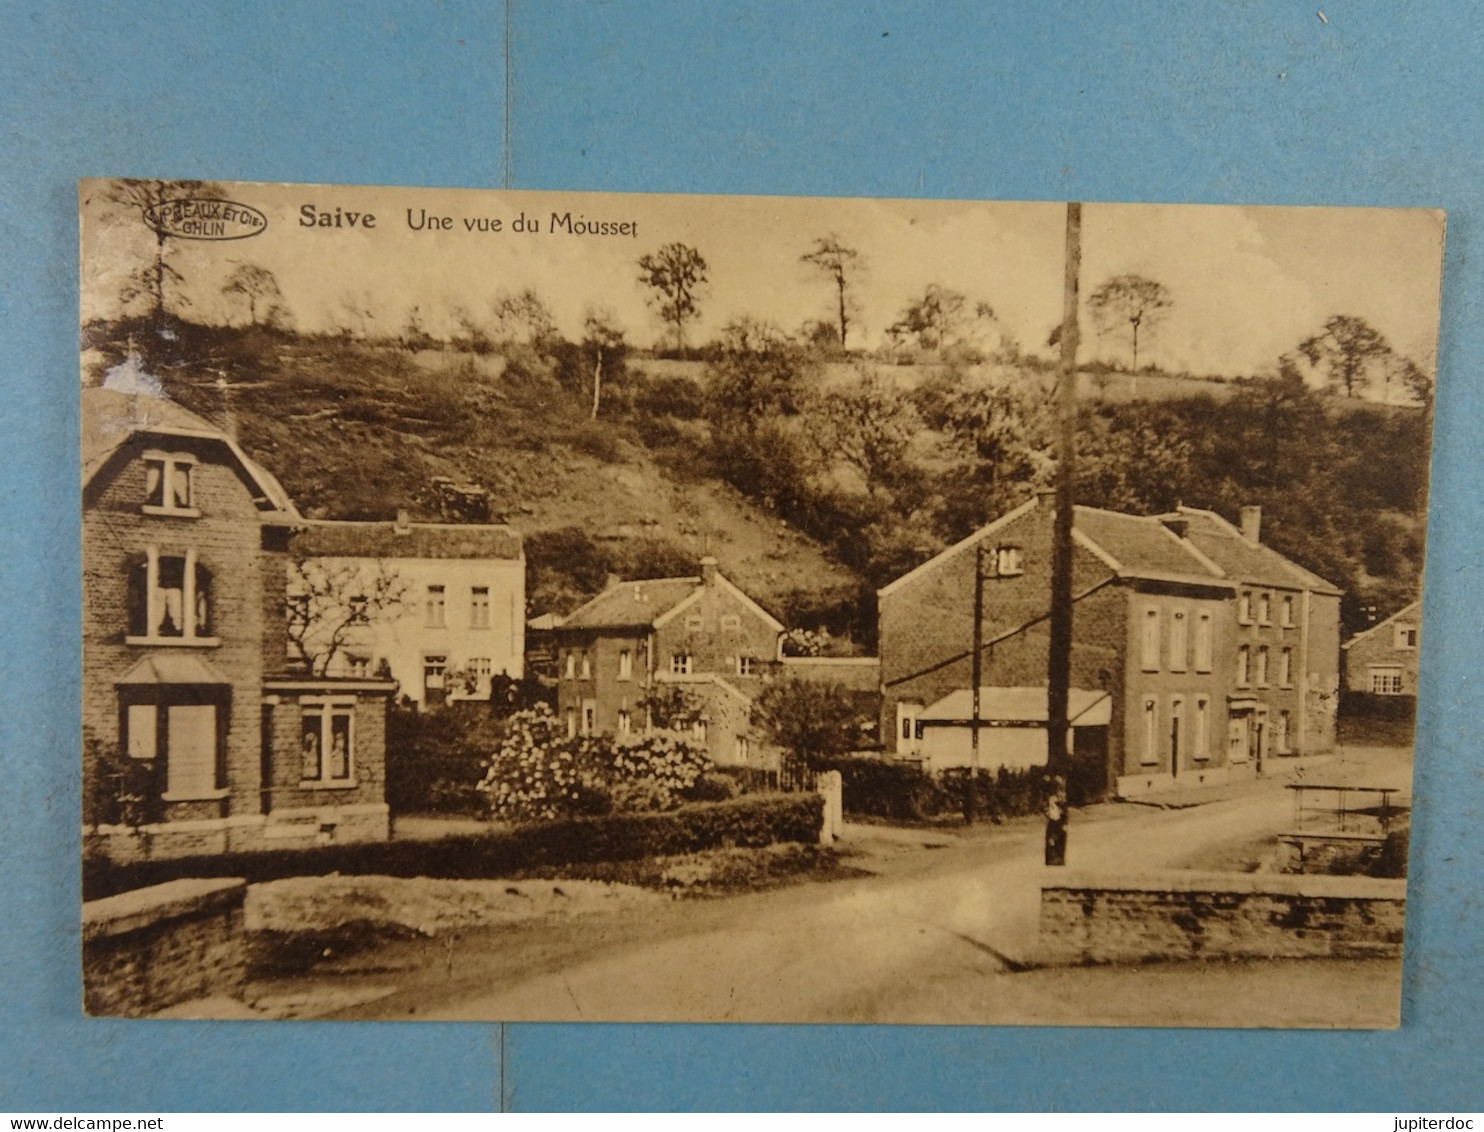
pixel 935 933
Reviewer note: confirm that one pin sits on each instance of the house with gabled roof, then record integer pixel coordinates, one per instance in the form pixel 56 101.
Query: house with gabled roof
pixel 688 652
pixel 1382 660
pixel 1214 651
pixel 458 620
pixel 197 736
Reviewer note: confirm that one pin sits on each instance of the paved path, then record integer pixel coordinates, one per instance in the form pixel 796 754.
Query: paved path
pixel 933 937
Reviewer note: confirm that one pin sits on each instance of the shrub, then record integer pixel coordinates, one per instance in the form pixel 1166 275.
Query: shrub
pixel 749 823
pixel 903 792
pixel 436 759
pixel 539 774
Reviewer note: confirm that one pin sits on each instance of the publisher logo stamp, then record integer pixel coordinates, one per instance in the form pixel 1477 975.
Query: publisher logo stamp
pixel 201 219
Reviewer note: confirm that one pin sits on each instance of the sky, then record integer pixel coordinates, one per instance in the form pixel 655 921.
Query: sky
pixel 1247 283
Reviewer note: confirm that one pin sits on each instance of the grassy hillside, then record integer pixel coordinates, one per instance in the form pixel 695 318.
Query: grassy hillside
pixel 355 431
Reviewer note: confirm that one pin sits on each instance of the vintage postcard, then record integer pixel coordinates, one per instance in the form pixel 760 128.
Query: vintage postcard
pixel 556 606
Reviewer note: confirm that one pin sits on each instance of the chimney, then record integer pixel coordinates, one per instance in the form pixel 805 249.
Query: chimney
pixel 1046 497
pixel 403 524
pixel 1252 522
pixel 708 571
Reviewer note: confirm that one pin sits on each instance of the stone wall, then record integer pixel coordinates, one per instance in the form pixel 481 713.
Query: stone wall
pixel 153 947
pixel 1086 918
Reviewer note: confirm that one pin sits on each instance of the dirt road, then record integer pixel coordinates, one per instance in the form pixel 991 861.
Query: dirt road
pixel 933 935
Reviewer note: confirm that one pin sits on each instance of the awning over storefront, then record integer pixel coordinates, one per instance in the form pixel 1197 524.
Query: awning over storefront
pixel 1018 707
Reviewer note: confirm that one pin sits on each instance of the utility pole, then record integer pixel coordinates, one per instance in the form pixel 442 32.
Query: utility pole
pixel 1059 667
pixel 976 666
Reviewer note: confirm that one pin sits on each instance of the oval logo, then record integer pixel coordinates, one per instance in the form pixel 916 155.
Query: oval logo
pixel 200 219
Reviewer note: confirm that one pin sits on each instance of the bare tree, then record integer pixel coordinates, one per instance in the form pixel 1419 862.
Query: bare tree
pixel 676 274
pixel 1347 350
pixel 941 318
pixel 833 258
pixel 602 342
pixel 256 285
pixel 330 600
pixel 151 279
pixel 1132 301
pixel 523 317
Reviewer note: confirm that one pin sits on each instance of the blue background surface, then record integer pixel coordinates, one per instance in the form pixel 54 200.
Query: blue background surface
pixel 1258 102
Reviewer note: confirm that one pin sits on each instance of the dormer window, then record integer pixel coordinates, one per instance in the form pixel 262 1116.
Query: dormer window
pixel 168 487
pixel 170 600
pixel 1009 561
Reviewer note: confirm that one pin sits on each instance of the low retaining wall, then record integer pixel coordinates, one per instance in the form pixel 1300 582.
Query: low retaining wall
pixel 1087 918
pixel 283 828
pixel 153 947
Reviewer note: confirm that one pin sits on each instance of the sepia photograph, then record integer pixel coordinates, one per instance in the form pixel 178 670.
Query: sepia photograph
pixel 552 606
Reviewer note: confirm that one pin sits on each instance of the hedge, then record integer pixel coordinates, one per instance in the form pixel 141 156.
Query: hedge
pixel 750 822
pixel 904 792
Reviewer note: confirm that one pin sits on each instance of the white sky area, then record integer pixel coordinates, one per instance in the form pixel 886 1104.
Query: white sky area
pixel 1247 283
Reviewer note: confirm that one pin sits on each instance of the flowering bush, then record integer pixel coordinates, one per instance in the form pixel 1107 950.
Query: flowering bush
pixel 539 774
pixel 668 761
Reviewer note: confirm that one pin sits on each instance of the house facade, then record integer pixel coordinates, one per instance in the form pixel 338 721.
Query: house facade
pixel 690 652
pixel 1213 651
pixel 1382 661
pixel 197 738
pixel 441 605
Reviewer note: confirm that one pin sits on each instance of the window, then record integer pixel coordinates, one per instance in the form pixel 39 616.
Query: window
pixel 1244 666
pixel 1149 755
pixel 437 608
pixel 326 734
pixel 1244 609
pixel 358 666
pixel 589 717
pixel 1280 733
pixel 1202 736
pixel 731 622
pixel 1008 561
pixel 1203 647
pixel 479 608
pixel 1288 612
pixel 170 598
pixel 1405 637
pixel 1265 609
pixel 482 669
pixel 625 665
pixel 698 731
pixel 1179 640
pixel 1149 641
pixel 167 484
pixel 187 738
pixel 680 664
pixel 625 723
pixel 587 667
pixel 1386 680
pixel 358 614
pixel 435 671
pixel 1262 666
pixel 747 666
pixel 741 748
pixel 693 622
pixel 1285 668
pixel 569 669
pixel 571 723
pixel 1177 731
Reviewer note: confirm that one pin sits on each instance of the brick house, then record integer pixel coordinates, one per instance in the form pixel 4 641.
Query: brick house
pixel 1382 661
pixel 1215 651
pixel 699 644
pixel 188 705
pixel 459 617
